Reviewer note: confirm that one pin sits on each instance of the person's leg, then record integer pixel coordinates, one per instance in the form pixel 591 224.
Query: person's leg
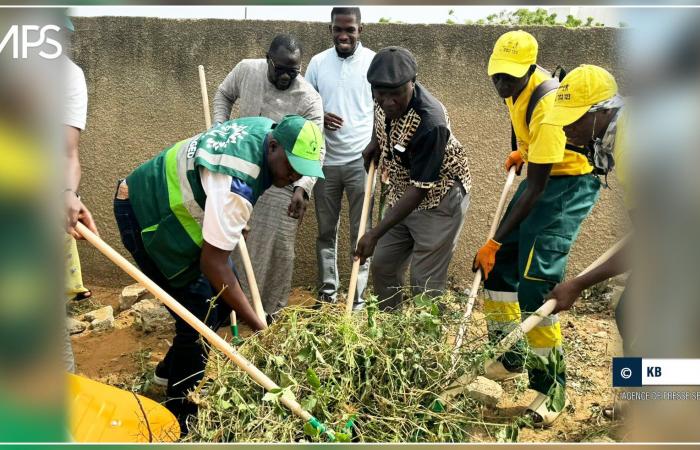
pixel 391 257
pixel 545 241
pixel 328 195
pixel 354 178
pixel 186 355
pixel 436 232
pixel 501 299
pixel 271 247
pixel 74 277
pixel 68 357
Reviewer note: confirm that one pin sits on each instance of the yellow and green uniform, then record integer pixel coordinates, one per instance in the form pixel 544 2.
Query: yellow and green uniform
pixel 533 257
pixel 168 199
pixel 542 143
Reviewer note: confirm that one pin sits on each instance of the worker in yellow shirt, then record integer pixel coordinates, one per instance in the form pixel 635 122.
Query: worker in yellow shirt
pixel 527 256
pixel 591 111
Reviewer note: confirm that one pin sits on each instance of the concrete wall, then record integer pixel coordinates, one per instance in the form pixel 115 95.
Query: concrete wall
pixel 144 95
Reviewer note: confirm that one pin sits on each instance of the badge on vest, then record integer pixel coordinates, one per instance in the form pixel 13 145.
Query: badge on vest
pixel 399 148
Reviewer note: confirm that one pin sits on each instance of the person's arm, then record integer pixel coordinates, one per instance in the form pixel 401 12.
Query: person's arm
pixel 214 265
pixel 567 292
pixel 305 185
pixel 537 178
pixel 408 202
pixel 226 95
pixel 426 158
pixel 372 152
pixel 74 207
pixel 311 74
pixel 226 213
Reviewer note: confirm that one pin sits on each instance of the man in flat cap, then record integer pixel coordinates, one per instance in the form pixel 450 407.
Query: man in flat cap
pixel 428 181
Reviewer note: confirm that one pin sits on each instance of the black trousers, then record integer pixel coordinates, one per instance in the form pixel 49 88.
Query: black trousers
pixel 186 359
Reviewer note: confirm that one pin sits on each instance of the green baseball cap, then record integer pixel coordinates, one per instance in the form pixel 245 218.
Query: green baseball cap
pixel 302 142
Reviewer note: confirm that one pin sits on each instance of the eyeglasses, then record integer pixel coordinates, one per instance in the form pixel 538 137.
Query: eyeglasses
pixel 279 71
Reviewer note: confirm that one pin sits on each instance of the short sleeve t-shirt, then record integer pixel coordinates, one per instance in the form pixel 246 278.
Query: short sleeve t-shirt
pixel 419 149
pixel 227 210
pixel 543 143
pixel 76 96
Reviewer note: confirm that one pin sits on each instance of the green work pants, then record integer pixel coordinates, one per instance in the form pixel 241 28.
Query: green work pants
pixel 531 261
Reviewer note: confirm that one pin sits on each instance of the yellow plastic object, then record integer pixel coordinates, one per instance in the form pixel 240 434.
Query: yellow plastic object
pixel 103 413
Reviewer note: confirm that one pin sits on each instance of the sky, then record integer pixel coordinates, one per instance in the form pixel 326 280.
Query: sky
pixel 370 14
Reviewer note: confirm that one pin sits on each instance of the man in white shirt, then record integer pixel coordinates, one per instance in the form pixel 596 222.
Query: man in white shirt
pixel 339 74
pixel 75 103
pixel 273 88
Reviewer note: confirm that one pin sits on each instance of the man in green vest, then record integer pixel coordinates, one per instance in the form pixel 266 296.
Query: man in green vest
pixel 182 213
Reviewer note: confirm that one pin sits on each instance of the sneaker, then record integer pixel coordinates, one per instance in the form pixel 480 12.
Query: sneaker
pixel 540 415
pixel 496 371
pixel 359 306
pixel 160 375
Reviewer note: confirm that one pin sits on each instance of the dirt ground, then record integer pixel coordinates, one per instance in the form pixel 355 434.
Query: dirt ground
pixel 125 357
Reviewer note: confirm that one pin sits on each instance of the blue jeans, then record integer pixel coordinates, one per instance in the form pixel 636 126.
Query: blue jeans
pixel 186 358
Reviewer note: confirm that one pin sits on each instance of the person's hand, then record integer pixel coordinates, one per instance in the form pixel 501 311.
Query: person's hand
pixel 515 158
pixel 297 207
pixel 245 232
pixel 485 258
pixel 371 153
pixel 76 211
pixel 565 294
pixel 365 246
pixel 332 122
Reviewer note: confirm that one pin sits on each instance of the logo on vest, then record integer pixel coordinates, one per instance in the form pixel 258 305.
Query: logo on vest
pixel 222 136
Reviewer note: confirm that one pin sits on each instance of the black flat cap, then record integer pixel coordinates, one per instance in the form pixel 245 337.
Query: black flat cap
pixel 392 67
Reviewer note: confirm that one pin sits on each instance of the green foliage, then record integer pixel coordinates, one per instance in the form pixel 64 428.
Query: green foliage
pixel 389 20
pixel 554 366
pixel 537 17
pixel 371 377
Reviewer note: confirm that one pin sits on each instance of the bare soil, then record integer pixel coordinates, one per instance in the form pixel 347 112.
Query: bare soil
pixel 126 357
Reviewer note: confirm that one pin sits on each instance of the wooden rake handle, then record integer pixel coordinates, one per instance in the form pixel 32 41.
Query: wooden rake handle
pixel 205 96
pixel 252 283
pixel 369 184
pixel 209 334
pixel 477 276
pixel 242 248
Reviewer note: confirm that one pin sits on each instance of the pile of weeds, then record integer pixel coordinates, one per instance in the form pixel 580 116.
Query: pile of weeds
pixel 372 377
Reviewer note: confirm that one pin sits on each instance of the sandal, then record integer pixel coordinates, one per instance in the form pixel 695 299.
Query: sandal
pixel 616 411
pixel 496 371
pixel 540 414
pixel 82 296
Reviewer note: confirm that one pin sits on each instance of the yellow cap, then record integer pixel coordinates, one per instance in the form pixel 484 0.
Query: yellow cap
pixel 513 54
pixel 582 88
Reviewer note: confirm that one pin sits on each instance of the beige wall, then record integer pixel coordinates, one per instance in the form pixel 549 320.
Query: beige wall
pixel 144 95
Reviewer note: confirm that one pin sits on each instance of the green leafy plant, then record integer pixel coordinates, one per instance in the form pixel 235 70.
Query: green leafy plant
pixel 371 377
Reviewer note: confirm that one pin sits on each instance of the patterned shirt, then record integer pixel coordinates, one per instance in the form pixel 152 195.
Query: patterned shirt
pixel 419 149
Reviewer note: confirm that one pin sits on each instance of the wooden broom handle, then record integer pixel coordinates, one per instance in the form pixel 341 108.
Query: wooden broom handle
pixel 182 312
pixel 352 287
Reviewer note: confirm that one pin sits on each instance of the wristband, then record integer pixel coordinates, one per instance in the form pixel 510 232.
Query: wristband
pixel 71 190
